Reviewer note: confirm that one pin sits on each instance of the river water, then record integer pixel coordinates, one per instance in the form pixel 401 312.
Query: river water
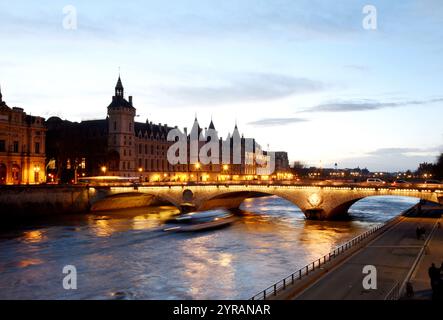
pixel 122 255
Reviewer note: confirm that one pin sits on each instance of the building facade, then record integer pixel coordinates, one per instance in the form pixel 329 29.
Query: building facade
pixel 120 146
pixel 22 146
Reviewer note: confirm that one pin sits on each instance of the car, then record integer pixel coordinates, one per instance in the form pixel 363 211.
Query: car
pixel 401 183
pixel 375 182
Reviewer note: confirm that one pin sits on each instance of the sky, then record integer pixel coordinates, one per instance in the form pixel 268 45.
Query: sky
pixel 303 76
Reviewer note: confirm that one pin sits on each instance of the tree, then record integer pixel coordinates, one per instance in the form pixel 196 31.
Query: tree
pixel 438 167
pixel 425 169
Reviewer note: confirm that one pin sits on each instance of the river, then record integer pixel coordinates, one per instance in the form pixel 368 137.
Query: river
pixel 122 255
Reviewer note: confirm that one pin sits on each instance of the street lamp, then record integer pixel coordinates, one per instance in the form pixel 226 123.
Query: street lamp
pixel 141 176
pixel 225 169
pixel 104 170
pixel 197 167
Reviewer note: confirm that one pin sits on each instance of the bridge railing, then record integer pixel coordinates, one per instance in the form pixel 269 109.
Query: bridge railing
pixel 394 294
pixel 308 269
pixel 270 183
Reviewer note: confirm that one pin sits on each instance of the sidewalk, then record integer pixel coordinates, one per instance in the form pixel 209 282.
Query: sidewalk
pixel 433 254
pixel 393 254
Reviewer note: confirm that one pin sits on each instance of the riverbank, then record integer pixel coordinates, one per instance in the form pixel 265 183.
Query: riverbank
pixel 394 250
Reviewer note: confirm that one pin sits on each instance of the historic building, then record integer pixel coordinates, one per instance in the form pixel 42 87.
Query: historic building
pixel 120 146
pixel 22 146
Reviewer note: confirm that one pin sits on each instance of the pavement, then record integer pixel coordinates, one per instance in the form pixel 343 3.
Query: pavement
pixel 394 254
pixel 433 254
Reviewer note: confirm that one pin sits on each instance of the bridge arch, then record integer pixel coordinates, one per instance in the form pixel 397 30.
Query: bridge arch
pixel 341 210
pixel 125 200
pixel 233 199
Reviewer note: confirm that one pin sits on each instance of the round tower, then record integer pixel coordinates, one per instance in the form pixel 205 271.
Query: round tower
pixel 121 134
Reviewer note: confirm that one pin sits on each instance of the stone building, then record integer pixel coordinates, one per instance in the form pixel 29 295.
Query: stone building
pixel 120 146
pixel 22 146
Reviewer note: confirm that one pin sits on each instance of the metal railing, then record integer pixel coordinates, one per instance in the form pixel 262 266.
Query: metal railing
pixel 400 288
pixel 394 294
pixel 308 269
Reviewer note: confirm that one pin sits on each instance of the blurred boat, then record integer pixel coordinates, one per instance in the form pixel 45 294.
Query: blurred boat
pixel 198 221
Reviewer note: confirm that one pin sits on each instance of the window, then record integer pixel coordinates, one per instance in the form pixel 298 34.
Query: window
pixel 115 125
pixel 139 148
pixel 130 126
pixel 15 147
pixel 146 149
pixel 2 146
pixel 37 147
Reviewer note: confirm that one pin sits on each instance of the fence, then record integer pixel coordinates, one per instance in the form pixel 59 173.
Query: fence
pixel 308 269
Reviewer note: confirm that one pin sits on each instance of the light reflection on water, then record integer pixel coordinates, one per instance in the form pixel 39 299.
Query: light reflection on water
pixel 125 255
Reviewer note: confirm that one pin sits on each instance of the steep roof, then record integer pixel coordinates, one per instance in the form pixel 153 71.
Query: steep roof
pixel 151 129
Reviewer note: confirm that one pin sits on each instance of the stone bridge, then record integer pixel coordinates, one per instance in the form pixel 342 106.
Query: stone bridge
pixel 316 202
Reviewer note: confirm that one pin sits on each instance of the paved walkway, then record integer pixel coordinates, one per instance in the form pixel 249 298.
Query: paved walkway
pixel 393 254
pixel 433 254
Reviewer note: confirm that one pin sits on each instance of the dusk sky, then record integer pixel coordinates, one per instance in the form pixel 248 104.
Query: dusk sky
pixel 299 76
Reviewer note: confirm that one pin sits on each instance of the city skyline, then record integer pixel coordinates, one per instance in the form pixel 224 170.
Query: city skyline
pixel 306 81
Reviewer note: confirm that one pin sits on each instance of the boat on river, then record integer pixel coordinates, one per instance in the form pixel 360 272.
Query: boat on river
pixel 200 220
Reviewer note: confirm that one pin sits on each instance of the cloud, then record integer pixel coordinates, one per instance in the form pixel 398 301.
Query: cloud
pixel 356 67
pixel 242 88
pixel 270 122
pixel 366 105
pixel 383 152
pixel 393 159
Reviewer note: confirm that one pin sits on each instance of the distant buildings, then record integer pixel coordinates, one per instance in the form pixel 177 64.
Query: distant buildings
pixel 22 146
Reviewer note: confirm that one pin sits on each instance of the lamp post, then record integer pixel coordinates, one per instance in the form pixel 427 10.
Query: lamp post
pixel 197 167
pixel 225 169
pixel 140 170
pixel 104 170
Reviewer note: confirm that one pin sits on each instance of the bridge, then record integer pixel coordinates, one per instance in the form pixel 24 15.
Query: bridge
pixel 318 201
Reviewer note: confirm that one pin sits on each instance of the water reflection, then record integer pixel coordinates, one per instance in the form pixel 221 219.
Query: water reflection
pixel 123 255
pixel 33 236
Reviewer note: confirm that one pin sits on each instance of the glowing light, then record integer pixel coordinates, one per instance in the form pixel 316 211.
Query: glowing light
pixel 314 199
